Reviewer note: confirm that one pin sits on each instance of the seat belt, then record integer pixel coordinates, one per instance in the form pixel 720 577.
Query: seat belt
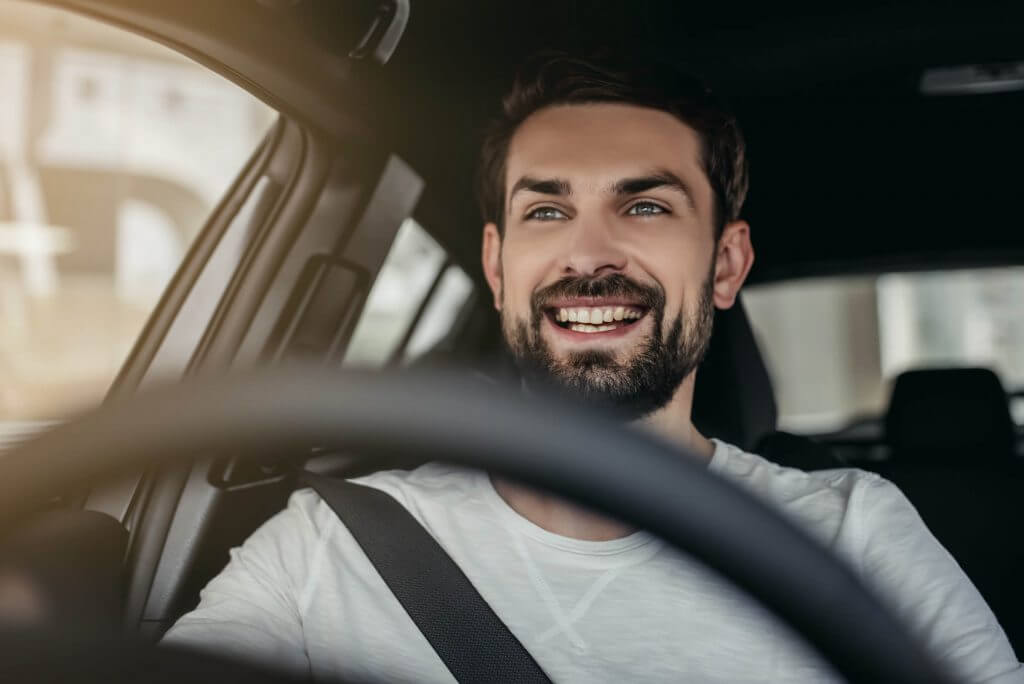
pixel 462 628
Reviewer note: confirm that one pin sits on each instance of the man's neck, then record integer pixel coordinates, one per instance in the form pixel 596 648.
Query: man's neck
pixel 556 515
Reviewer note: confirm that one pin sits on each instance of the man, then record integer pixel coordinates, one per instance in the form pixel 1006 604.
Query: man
pixel 611 195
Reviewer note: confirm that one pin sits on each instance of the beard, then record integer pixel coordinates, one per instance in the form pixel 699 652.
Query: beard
pixel 631 388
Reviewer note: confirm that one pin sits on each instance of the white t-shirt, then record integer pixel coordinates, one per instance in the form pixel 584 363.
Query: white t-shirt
pixel 300 593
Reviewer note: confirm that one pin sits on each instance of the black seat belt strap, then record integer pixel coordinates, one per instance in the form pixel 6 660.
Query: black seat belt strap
pixel 462 628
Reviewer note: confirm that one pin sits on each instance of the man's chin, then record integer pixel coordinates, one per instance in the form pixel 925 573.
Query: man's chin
pixel 592 376
pixel 594 367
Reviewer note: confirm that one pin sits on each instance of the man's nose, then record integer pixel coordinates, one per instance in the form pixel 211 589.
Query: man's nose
pixel 592 250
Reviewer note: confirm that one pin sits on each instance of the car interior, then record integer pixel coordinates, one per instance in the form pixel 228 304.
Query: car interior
pixel 856 169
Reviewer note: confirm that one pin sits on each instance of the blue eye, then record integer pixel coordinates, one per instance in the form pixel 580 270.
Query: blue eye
pixel 546 214
pixel 646 209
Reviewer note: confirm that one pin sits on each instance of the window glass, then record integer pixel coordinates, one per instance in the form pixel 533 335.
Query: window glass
pixel 453 291
pixel 833 346
pixel 113 151
pixel 409 271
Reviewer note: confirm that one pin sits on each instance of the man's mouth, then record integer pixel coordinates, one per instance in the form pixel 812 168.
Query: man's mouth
pixel 595 319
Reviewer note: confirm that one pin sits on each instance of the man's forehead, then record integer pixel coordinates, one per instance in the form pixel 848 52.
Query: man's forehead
pixel 595 146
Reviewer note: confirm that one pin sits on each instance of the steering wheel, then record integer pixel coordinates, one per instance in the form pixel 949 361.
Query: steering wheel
pixel 537 440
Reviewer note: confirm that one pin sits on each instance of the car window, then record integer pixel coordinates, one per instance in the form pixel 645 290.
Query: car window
pixel 454 288
pixel 113 151
pixel 833 346
pixel 413 303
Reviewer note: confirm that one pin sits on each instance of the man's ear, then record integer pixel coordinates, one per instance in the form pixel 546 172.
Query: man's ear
pixel 491 259
pixel 735 256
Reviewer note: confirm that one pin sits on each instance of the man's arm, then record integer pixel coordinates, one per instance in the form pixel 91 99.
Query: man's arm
pixel 924 584
pixel 250 611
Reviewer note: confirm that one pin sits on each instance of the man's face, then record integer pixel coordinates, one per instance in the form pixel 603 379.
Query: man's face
pixel 605 274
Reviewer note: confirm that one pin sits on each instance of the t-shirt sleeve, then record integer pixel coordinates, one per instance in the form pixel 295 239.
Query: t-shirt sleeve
pixel 250 611
pixel 926 587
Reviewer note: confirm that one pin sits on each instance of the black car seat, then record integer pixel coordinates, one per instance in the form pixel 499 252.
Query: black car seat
pixel 959 416
pixel 733 398
pixel 952 443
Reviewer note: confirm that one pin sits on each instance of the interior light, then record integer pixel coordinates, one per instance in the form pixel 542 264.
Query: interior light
pixel 973 79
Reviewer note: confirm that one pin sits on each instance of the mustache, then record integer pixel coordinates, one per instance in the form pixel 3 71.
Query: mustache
pixel 615 285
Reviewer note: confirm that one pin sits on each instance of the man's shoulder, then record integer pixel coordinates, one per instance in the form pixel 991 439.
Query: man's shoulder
pixel 401 484
pixel 424 491
pixel 430 479
pixel 427 492
pixel 759 472
pixel 825 500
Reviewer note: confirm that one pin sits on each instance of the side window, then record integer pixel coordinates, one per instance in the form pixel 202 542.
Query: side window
pixel 412 305
pixel 113 151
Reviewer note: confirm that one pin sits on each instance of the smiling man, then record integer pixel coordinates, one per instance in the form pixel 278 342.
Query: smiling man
pixel 608 243
pixel 611 195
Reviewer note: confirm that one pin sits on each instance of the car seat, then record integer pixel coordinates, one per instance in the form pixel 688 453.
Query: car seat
pixel 952 443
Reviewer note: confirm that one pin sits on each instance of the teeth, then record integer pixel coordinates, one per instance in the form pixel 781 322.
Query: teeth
pixel 596 316
pixel 585 328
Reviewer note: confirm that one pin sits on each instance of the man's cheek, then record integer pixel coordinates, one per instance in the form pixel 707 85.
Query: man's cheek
pixel 512 320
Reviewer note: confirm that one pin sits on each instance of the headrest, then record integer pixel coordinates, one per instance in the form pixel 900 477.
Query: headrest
pixel 950 415
pixel 733 398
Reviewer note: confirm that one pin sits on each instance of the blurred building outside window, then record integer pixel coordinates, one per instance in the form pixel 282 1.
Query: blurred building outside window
pixel 113 152
pixel 833 346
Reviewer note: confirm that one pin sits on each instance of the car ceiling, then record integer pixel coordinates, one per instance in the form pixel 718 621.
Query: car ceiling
pixel 852 170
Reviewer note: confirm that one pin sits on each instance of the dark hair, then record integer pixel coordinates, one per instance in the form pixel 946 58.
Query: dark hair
pixel 551 78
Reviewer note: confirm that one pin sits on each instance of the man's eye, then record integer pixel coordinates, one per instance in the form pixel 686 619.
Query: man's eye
pixel 646 209
pixel 546 214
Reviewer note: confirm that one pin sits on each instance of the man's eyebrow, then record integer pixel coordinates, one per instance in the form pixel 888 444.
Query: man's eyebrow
pixel 661 178
pixel 543 186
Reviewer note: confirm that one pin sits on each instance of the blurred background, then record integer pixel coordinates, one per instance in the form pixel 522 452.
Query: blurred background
pixel 113 151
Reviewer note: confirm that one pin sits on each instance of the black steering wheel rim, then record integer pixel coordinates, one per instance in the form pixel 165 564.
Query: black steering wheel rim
pixel 537 440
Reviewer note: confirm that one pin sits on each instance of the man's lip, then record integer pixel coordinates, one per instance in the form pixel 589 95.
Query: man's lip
pixel 580 302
